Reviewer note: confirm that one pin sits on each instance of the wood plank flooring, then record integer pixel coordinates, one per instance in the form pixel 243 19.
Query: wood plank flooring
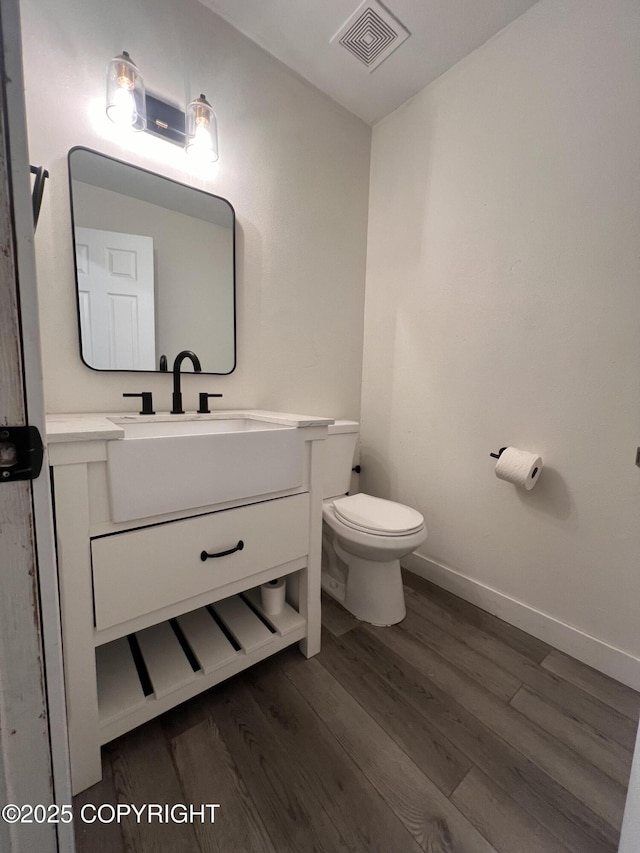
pixel 452 732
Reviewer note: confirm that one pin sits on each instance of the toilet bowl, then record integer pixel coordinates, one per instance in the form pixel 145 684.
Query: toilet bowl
pixel 364 538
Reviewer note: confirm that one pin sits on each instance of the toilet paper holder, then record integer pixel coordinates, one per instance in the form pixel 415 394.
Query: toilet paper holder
pixel 499 453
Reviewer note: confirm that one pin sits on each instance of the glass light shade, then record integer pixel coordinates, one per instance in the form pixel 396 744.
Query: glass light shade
pixel 201 131
pixel 125 93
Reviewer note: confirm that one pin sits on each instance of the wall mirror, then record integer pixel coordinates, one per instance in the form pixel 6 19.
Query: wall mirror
pixel 155 268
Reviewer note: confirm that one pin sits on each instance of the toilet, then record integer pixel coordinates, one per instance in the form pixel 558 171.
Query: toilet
pixel 363 537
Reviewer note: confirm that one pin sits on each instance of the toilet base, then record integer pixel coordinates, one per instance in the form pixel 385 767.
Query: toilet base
pixel 374 591
pixel 369 602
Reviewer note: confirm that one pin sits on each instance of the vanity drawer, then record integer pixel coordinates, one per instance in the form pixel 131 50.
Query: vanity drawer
pixel 140 571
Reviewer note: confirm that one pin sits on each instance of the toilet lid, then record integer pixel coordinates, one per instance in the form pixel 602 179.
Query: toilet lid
pixel 376 515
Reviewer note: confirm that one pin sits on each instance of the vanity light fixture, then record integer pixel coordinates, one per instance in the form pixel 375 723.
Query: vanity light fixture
pixel 129 105
pixel 126 101
pixel 202 131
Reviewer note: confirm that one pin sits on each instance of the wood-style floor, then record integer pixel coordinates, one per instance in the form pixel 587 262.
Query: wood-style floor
pixel 452 732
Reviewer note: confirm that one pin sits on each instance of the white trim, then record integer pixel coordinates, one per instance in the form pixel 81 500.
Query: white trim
pixel 41 487
pixel 608 659
pixel 24 739
pixel 32 371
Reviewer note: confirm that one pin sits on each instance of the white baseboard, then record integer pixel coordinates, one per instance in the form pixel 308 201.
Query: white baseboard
pixel 608 659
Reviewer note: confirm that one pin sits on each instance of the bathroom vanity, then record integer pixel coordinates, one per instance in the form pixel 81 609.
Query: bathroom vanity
pixel 166 528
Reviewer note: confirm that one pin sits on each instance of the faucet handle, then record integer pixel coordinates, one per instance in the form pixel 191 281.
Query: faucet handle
pixel 147 402
pixel 203 408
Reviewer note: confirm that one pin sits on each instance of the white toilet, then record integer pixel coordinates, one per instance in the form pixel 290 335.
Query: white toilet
pixel 363 538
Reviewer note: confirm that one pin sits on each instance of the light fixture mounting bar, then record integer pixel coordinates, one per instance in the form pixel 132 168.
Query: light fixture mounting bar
pixel 165 120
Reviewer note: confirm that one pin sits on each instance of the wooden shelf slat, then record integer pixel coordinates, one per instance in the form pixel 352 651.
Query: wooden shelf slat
pixel 164 658
pixel 208 642
pixel 246 628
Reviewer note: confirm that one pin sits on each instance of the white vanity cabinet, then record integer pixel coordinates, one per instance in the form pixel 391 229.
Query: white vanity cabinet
pixel 148 620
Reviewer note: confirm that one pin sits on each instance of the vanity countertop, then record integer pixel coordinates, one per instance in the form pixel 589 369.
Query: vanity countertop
pixel 105 427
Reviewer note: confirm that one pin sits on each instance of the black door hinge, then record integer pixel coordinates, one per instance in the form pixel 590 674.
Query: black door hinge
pixel 21 452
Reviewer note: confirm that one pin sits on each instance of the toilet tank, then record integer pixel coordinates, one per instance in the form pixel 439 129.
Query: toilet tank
pixel 339 449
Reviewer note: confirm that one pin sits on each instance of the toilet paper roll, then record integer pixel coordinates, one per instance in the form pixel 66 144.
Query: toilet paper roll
pixel 272 596
pixel 519 467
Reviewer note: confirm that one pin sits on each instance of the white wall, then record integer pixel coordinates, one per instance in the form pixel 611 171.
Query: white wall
pixel 503 307
pixel 293 163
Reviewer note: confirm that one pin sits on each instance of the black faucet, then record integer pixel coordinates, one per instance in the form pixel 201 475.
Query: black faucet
pixel 177 393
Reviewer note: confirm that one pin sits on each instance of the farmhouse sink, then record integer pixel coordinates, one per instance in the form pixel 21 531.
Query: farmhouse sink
pixel 163 466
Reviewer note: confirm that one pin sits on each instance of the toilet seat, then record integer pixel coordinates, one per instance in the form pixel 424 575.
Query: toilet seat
pixel 377 516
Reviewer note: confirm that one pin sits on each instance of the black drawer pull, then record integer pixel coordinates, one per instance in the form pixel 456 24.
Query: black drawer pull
pixel 204 556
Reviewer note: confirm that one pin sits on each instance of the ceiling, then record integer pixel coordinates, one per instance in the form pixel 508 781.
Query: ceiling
pixel 299 34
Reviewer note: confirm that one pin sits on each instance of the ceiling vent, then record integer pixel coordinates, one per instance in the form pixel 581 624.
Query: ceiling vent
pixel 371 34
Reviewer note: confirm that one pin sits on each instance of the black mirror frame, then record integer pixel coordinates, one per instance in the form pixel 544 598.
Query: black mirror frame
pixel 75 267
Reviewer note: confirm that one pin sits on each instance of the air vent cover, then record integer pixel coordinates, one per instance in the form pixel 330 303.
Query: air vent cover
pixel 371 34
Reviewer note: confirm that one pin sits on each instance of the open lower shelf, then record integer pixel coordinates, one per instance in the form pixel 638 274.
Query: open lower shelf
pixel 146 673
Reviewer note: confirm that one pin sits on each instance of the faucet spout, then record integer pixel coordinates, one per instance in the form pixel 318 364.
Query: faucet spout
pixel 176 408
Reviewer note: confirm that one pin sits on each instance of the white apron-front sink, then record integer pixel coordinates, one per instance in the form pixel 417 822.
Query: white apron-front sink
pixel 163 466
